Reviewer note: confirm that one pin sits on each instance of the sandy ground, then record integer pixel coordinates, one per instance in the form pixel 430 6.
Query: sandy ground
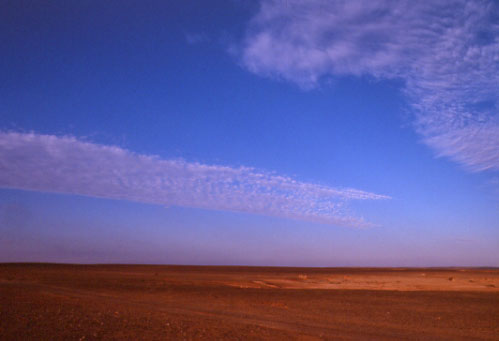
pixel 136 302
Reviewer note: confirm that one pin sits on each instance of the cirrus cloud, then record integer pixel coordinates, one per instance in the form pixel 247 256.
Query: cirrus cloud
pixel 67 165
pixel 446 52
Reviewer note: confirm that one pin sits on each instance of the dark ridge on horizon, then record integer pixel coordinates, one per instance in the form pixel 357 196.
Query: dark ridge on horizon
pixel 255 267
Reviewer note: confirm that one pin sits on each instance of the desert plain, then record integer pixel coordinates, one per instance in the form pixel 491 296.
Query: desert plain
pixel 156 302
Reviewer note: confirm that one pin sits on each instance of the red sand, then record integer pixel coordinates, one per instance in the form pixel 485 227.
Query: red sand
pixel 90 302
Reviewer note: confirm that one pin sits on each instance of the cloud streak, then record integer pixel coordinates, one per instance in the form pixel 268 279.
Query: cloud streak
pixel 67 165
pixel 447 53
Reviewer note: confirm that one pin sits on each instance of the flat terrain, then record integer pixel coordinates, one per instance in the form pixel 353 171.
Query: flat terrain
pixel 139 302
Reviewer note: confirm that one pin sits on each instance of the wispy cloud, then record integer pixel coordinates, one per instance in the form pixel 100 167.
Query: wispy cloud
pixel 447 52
pixel 68 165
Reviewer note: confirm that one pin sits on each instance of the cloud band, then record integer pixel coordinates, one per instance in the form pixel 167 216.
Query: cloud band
pixel 68 165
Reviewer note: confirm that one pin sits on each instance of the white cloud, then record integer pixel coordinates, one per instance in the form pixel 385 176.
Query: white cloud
pixel 68 165
pixel 447 52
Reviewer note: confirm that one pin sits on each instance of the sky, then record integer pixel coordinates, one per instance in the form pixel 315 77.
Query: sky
pixel 237 132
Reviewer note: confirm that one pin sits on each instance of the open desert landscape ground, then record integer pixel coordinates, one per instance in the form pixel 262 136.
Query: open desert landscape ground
pixel 142 302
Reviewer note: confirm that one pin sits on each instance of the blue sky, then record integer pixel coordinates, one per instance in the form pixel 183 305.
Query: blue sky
pixel 317 133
